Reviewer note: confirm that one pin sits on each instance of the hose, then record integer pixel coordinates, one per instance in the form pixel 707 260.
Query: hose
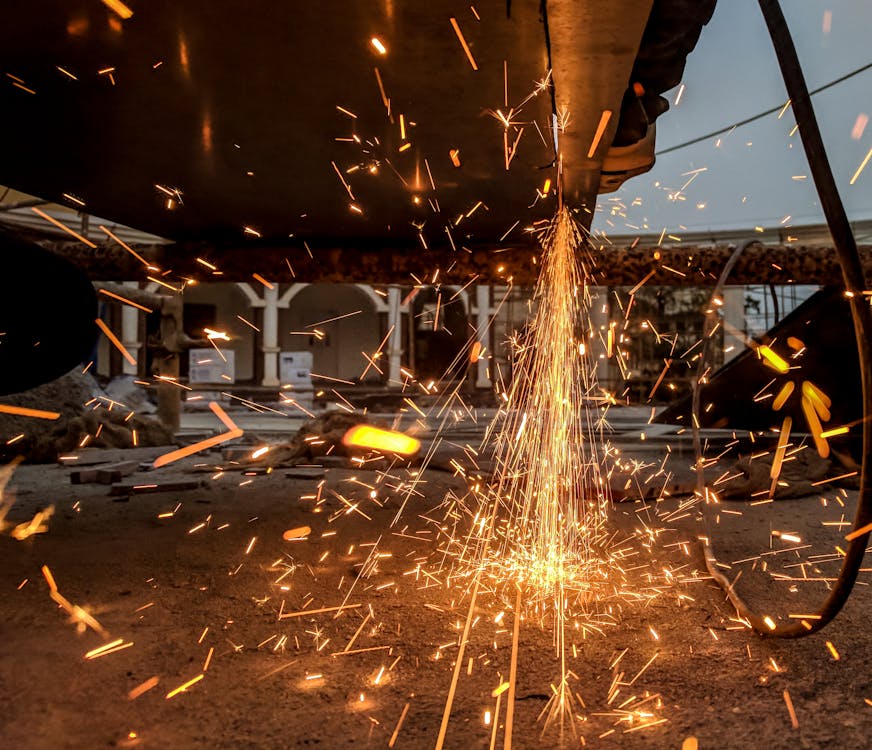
pixel 861 314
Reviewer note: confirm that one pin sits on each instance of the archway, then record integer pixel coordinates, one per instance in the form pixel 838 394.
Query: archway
pixel 441 325
pixel 336 323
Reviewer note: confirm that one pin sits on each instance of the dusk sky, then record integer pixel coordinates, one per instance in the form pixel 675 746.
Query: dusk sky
pixel 732 75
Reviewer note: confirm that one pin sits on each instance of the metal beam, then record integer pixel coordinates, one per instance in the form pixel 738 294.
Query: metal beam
pixel 592 54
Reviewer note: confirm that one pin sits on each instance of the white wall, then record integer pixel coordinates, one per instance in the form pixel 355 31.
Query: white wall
pixel 230 302
pixel 339 354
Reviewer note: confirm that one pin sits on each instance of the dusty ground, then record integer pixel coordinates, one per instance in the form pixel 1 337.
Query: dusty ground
pixel 180 592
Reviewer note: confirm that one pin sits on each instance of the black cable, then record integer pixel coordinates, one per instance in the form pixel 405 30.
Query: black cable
pixel 861 313
pixel 543 12
pixel 774 295
pixel 748 120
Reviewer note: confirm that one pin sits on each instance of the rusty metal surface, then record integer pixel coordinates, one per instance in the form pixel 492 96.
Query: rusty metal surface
pixel 242 106
pixel 592 54
pixel 235 104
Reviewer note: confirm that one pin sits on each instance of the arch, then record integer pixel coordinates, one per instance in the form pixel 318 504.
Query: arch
pixel 463 295
pixel 292 291
pixel 379 303
pixel 228 299
pixel 351 325
pixel 437 348
pixel 253 299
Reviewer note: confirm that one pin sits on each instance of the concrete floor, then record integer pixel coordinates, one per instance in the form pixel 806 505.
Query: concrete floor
pixel 192 587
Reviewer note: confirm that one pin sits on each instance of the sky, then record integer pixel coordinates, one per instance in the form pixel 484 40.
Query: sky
pixel 749 179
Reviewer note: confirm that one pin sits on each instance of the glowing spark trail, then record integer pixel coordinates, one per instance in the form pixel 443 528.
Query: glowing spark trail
pixel 540 527
pixel 550 489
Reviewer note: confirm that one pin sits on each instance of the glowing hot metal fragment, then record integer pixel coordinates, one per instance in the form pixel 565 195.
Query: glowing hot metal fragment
pixel 374 438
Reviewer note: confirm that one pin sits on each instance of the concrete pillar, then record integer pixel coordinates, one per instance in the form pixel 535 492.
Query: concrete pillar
pixel 600 319
pixel 395 342
pixel 270 336
pixel 504 301
pixel 733 313
pixel 483 333
pixel 130 333
pixel 169 395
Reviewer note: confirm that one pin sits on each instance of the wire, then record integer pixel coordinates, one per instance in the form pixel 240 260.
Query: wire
pixel 751 119
pixel 854 281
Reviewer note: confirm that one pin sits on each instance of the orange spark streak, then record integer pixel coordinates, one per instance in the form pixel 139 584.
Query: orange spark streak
pixel 835 431
pixel 821 401
pixel 63 226
pixel 794 722
pixel 381 88
pixel 49 579
pixel 143 687
pixel 77 614
pixel 356 633
pixel 859 532
pixel 377 353
pixel 775 470
pixel 300 532
pixel 772 359
pixel 22 411
pixel 333 320
pixel 189 450
pixel 248 323
pixel 446 714
pixel 124 245
pixel 660 379
pixel 642 282
pixel 222 415
pixel 120 8
pixel 463 43
pixel 234 432
pixel 783 395
pixel 600 129
pixel 125 300
pixel 109 648
pixel 856 174
pixel 814 425
pixel 322 610
pixel 499 690
pixel 116 342
pixel 183 688
pixel 513 674
pixel 163 284
pixel 393 738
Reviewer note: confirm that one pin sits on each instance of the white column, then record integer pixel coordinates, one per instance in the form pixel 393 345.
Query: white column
pixel 395 342
pixel 130 332
pixel 482 333
pixel 599 318
pixel 733 313
pixel 271 336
